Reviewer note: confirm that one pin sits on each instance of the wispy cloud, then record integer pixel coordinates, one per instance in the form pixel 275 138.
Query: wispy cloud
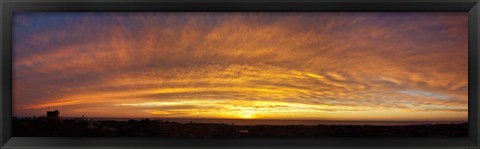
pixel 426 94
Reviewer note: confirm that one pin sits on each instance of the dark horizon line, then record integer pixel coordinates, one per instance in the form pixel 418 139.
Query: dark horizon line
pixel 154 118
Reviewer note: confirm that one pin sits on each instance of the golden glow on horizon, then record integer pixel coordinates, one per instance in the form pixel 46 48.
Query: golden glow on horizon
pixel 331 66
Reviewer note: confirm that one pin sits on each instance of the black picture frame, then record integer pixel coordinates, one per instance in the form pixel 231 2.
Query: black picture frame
pixel 8 7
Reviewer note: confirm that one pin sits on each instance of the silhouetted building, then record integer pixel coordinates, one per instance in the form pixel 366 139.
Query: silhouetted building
pixel 54 116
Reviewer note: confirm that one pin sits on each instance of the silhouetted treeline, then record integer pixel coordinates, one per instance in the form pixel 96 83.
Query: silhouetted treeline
pixel 40 127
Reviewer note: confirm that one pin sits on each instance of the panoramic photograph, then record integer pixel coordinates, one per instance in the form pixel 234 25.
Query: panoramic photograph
pixel 240 74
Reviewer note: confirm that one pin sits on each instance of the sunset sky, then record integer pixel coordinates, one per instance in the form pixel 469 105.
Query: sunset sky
pixel 322 66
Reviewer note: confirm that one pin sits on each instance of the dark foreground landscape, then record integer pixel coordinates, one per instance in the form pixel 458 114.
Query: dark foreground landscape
pixel 41 127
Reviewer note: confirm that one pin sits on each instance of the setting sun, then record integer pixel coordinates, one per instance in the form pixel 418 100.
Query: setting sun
pixel 247 114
